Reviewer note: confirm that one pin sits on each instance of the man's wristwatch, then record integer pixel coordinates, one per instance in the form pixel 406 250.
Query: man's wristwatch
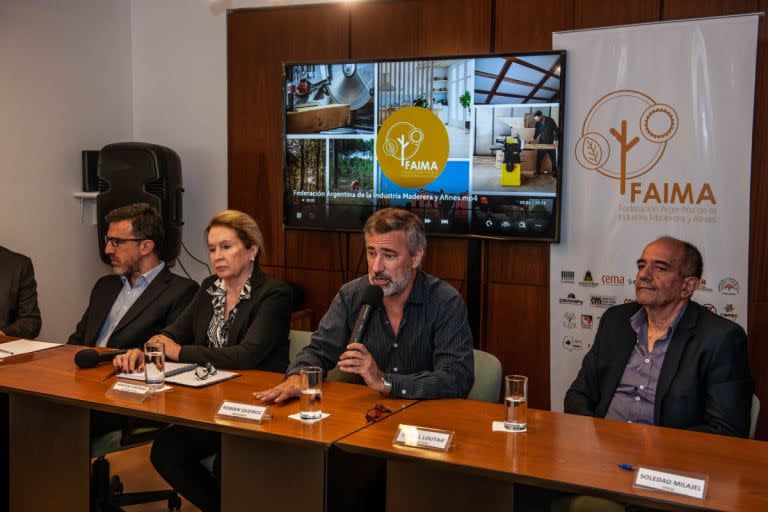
pixel 387 384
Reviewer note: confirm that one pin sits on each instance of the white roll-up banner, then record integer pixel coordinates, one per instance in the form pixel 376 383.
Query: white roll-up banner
pixel 658 141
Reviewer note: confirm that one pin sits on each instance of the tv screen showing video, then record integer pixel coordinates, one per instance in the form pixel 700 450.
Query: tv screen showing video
pixel 471 145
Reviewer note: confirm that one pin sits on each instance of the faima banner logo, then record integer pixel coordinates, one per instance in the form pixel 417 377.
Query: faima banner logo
pixel 610 146
pixel 567 276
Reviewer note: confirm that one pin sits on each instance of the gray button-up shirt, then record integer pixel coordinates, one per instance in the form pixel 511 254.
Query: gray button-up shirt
pixel 431 356
pixel 635 395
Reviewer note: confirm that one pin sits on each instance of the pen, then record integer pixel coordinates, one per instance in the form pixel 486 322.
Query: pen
pixel 7 352
pixel 628 467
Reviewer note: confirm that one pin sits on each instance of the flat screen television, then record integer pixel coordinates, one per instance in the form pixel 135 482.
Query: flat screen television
pixel 471 145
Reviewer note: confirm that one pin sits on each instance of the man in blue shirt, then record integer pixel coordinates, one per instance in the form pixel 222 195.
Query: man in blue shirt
pixel 139 299
pixel 142 296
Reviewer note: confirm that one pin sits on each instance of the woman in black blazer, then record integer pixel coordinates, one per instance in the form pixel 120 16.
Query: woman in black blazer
pixel 239 319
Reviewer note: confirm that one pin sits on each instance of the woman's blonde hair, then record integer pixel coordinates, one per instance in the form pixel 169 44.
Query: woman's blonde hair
pixel 243 224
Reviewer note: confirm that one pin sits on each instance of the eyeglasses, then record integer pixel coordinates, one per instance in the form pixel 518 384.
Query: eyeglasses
pixel 377 412
pixel 115 242
pixel 203 372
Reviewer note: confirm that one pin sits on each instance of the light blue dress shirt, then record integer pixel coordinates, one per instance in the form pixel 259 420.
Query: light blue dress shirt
pixel 125 299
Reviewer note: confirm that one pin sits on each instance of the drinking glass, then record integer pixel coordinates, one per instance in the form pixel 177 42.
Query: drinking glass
pixel 154 365
pixel 311 406
pixel 516 401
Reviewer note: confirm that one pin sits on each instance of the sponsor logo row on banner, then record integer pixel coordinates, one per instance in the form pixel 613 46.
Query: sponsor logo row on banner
pixel 726 286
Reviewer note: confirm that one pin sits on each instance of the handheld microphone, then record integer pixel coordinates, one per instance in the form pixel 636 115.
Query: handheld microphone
pixel 372 297
pixel 89 358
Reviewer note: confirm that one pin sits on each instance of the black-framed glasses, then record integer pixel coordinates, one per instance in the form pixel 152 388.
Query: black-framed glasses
pixel 202 372
pixel 115 242
pixel 377 412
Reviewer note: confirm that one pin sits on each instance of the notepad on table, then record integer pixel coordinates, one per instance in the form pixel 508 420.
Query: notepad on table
pixel 18 347
pixel 184 375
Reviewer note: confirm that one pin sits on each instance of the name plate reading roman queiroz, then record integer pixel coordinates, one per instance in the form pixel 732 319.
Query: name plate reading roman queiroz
pixel 420 437
pixel 242 411
pixel 693 486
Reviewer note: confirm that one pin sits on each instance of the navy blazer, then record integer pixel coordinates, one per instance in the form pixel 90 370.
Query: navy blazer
pixel 161 303
pixel 704 383
pixel 19 314
pixel 258 337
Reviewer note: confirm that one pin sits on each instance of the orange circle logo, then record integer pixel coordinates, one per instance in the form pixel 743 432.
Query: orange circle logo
pixel 609 144
pixel 412 147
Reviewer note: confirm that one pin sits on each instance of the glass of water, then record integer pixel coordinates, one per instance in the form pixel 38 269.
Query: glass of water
pixel 154 365
pixel 311 406
pixel 516 402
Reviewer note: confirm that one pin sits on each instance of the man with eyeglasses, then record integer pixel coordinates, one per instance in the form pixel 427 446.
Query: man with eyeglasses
pixel 664 359
pixel 142 296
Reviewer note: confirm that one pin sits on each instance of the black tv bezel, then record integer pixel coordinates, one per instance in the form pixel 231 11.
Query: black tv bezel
pixel 561 117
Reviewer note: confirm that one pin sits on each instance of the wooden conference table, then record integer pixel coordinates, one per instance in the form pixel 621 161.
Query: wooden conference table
pixel 564 452
pixel 277 465
pixel 282 463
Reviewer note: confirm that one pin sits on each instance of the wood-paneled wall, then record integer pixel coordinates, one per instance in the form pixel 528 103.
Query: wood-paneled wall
pixel 514 288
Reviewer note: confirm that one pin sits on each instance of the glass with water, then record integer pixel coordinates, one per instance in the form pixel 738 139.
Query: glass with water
pixel 516 402
pixel 154 365
pixel 311 406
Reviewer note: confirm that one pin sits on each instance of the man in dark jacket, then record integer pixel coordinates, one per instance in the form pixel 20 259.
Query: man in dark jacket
pixel 666 360
pixel 545 133
pixel 19 314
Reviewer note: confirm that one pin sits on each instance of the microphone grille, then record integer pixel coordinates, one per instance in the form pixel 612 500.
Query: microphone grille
pixel 87 358
pixel 372 295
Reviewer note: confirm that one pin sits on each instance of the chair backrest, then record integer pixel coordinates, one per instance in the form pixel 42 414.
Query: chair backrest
pixel 753 416
pixel 299 340
pixel 487 384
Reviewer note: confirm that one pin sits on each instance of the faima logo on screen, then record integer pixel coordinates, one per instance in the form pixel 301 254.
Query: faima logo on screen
pixel 610 145
pixel 413 150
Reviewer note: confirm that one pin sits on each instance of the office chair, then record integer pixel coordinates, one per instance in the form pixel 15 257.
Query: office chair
pixel 487 378
pixel 107 490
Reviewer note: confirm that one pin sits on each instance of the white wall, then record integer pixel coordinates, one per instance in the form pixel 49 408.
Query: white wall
pixel 65 80
pixel 180 101
pixel 80 74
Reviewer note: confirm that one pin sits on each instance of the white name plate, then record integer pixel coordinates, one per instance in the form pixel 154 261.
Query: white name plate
pixel 420 437
pixel 128 391
pixel 675 483
pixel 242 411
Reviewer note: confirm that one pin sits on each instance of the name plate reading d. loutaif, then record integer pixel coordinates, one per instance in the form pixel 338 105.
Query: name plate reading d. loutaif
pixel 129 391
pixel 241 411
pixel 687 484
pixel 420 437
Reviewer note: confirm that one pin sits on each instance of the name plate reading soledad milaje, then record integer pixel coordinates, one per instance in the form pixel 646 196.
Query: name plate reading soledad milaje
pixel 420 437
pixel 693 486
pixel 241 411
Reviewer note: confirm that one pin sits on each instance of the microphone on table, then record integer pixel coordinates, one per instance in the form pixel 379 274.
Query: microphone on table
pixel 89 358
pixel 371 299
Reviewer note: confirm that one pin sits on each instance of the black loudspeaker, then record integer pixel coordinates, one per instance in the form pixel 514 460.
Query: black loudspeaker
pixel 90 171
pixel 138 172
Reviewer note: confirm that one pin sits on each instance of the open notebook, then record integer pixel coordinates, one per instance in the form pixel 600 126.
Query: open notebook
pixel 184 374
